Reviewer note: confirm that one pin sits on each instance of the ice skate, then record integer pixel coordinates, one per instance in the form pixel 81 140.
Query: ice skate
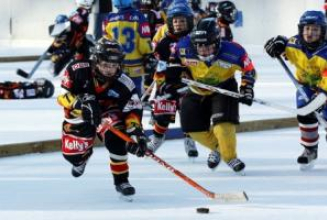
pixel 237 165
pixel 190 147
pixel 78 171
pixel 307 159
pixel 213 159
pixel 126 191
pixel 155 142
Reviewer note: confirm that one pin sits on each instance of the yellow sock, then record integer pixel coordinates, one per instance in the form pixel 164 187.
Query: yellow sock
pixel 226 136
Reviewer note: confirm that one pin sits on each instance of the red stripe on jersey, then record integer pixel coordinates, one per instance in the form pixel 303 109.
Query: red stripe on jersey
pixel 247 63
pixel 309 140
pixel 119 168
pixel 324 73
pixel 309 129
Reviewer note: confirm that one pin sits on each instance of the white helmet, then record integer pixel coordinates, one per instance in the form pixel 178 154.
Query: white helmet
pixel 84 3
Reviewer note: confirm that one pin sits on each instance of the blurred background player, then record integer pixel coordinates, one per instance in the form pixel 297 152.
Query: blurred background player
pixel 198 12
pixel 130 28
pixel 211 118
pixel 39 88
pixel 225 12
pixel 100 9
pixel 179 23
pixel 69 36
pixel 150 10
pixel 96 90
pixel 307 52
pixel 226 16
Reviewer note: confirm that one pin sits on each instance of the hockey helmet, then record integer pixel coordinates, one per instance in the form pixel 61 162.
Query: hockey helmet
pixel 180 8
pixel 84 3
pixel 317 18
pixel 122 3
pixel 62 25
pixel 206 33
pixel 108 51
pixel 227 11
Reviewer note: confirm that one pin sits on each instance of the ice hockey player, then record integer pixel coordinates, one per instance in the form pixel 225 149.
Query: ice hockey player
pixel 307 52
pixel 226 16
pixel 39 88
pixel 130 28
pixel 198 12
pixel 96 90
pixel 180 23
pixel 211 118
pixel 69 36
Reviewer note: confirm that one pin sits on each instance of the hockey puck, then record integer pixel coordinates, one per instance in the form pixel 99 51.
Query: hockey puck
pixel 202 210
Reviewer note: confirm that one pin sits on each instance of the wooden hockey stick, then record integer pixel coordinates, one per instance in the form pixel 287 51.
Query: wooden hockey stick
pixel 27 75
pixel 223 197
pixel 299 87
pixel 321 99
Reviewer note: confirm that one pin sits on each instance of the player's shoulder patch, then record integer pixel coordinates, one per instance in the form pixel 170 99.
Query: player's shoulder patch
pixel 126 81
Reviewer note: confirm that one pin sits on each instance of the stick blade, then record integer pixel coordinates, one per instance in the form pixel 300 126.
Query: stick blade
pixel 231 197
pixel 313 105
pixel 23 74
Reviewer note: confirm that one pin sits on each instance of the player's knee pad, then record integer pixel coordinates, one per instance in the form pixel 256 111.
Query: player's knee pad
pixel 74 145
pixel 226 135
pixel 206 138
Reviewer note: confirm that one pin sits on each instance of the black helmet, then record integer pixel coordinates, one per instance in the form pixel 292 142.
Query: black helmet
pixel 107 50
pixel 317 18
pixel 195 4
pixel 176 9
pixel 227 11
pixel 211 9
pixel 149 4
pixel 206 32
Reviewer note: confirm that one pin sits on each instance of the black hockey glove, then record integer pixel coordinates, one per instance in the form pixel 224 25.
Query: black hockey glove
pixel 247 95
pixel 90 109
pixel 150 64
pixel 276 46
pixel 44 88
pixel 139 146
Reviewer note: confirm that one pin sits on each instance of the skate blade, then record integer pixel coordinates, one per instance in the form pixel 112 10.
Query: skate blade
pixel 126 198
pixel 307 167
pixel 241 173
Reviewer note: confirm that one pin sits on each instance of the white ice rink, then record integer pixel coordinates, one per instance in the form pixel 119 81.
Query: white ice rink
pixel 40 187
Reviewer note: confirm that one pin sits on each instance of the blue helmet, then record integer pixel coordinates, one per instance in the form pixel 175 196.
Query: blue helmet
pixel 317 18
pixel 176 9
pixel 122 3
pixel 61 26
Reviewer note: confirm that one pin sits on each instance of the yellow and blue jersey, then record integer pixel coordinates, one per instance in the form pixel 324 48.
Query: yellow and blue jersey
pixel 311 67
pixel 230 58
pixel 130 28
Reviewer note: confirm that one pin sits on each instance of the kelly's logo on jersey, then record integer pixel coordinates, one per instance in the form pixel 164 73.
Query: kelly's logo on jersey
pixel 145 30
pixel 80 65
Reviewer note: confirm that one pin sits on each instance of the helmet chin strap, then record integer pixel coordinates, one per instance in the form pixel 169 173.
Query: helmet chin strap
pixel 207 59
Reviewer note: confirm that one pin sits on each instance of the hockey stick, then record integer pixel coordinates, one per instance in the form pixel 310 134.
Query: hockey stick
pixel 300 111
pixel 148 91
pixel 27 75
pixel 299 87
pixel 224 197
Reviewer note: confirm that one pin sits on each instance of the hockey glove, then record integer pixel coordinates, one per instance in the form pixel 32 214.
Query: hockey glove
pixel 44 88
pixel 247 95
pixel 139 146
pixel 90 109
pixel 150 64
pixel 276 46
